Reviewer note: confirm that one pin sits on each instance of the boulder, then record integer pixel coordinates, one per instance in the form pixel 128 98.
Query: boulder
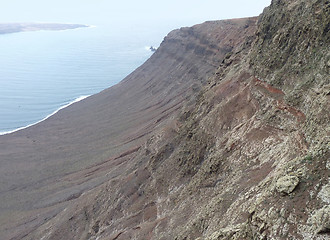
pixel 287 184
pixel 321 220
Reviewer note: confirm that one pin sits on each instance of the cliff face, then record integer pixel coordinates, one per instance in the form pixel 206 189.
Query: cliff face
pixel 233 143
pixel 48 166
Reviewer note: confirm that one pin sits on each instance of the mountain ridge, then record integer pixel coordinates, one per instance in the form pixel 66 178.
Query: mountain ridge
pixel 243 154
pixel 145 100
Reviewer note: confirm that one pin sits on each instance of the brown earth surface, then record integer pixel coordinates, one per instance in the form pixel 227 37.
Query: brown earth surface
pixel 222 134
pixel 48 165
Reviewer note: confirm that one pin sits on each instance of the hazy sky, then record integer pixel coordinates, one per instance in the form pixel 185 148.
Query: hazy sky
pixel 182 12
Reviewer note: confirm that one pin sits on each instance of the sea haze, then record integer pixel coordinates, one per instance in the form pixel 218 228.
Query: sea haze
pixel 45 70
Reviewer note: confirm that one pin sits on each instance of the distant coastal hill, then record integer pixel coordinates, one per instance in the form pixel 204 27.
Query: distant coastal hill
pixel 24 27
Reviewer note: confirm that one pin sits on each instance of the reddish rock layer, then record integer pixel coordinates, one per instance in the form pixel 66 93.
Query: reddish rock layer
pixel 52 163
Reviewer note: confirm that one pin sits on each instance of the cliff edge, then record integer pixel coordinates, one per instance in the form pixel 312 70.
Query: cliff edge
pixel 222 134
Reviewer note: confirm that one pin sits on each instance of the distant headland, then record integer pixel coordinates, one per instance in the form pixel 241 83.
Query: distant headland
pixel 25 27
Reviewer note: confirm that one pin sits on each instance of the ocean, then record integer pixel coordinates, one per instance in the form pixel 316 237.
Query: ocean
pixel 44 71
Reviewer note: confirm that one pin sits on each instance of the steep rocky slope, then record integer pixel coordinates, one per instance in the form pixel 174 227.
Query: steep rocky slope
pixel 244 156
pixel 50 165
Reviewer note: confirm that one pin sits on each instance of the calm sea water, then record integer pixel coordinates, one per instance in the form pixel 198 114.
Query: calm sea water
pixel 42 71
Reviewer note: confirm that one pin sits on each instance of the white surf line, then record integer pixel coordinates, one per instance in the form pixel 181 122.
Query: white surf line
pixel 48 116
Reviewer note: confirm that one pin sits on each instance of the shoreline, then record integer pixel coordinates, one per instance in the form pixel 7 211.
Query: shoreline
pixel 78 99
pixel 8 28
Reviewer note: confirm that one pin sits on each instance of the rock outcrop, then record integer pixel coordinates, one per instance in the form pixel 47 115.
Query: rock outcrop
pixel 226 136
pixel 287 184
